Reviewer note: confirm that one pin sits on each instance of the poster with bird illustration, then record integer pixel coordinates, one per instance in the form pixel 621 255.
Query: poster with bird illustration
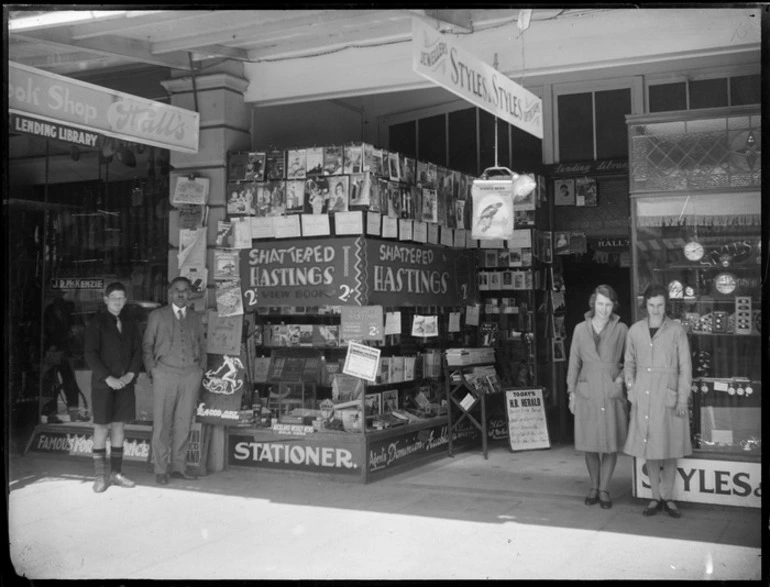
pixel 491 210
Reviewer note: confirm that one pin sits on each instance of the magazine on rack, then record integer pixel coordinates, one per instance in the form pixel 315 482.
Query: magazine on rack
pixel 255 168
pixel 332 160
pixel 316 195
pixel 314 161
pixel 295 196
pixel 241 197
pixel 353 160
pixel 338 193
pixel 296 163
pixel 275 165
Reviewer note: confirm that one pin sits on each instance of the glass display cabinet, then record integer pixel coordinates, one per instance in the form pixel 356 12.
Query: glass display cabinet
pixel 696 228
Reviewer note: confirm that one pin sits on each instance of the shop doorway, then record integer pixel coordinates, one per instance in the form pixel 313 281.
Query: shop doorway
pixel 582 273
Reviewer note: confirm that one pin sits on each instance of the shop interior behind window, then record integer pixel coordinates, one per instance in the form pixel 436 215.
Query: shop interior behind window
pixel 90 218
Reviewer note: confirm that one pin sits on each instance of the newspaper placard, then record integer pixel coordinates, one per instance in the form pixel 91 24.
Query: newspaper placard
pixel 190 190
pixel 362 361
pixel 527 426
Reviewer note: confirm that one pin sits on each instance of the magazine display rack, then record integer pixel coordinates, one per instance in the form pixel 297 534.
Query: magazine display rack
pixel 469 377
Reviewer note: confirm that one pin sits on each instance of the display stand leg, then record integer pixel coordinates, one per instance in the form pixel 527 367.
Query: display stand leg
pixel 484 424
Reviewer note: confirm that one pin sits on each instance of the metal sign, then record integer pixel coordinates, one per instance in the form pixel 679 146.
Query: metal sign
pixel 47 97
pixel 436 58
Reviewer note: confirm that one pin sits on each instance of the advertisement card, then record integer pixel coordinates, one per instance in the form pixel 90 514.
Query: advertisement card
pixel 190 190
pixel 362 361
pixel 287 226
pixel 315 225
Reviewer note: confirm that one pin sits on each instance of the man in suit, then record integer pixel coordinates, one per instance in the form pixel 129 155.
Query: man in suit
pixel 114 354
pixel 174 350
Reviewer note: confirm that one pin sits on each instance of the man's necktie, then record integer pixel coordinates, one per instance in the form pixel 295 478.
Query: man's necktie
pixel 118 324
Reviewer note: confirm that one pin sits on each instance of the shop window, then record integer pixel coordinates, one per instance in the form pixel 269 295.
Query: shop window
pixel 745 89
pixel 667 97
pixel 708 93
pixel 463 141
pixel 431 142
pixel 576 137
pixel 402 138
pixel 611 107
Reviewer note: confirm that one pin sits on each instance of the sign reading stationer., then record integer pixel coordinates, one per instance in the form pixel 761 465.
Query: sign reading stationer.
pixel 61 106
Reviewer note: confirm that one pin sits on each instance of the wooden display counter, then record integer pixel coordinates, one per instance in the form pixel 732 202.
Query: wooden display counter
pixel 344 456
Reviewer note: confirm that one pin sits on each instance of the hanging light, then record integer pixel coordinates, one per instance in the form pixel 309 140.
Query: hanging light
pixel 126 156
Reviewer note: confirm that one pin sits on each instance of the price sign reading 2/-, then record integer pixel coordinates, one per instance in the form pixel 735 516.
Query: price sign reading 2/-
pixel 361 323
pixel 250 297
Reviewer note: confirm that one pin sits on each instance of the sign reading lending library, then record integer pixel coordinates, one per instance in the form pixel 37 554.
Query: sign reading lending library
pixel 436 58
pixel 58 107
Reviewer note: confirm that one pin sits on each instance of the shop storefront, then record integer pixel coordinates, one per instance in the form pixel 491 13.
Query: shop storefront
pixel 695 192
pixel 97 213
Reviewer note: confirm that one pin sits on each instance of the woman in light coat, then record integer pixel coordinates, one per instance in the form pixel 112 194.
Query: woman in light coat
pixel 595 386
pixel 658 376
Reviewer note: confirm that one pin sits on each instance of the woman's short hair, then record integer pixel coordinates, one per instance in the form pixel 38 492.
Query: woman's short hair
pixel 653 291
pixel 608 292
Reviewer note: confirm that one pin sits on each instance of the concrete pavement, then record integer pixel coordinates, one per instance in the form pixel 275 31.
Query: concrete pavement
pixel 514 516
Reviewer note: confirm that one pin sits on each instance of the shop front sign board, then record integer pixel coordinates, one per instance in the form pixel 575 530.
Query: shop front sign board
pixel 439 59
pixel 734 483
pixel 60 105
pixel 80 443
pixel 320 454
pixel 403 274
pixel 306 272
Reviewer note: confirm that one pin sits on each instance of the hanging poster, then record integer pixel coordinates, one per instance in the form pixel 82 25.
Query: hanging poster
pixel 190 190
pixel 222 384
pixel 361 323
pixel 527 426
pixel 492 209
pixel 564 192
pixel 223 334
pixel 362 361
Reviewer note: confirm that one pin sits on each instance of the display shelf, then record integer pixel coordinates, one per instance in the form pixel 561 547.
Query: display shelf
pixel 457 383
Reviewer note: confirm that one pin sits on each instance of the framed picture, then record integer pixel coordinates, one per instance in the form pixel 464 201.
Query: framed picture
pixel 564 192
pixel 558 350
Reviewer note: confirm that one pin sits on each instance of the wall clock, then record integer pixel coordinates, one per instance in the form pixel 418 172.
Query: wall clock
pixel 693 251
pixel 725 283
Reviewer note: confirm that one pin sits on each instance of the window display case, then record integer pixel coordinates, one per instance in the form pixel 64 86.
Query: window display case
pixel 696 228
pixel 707 252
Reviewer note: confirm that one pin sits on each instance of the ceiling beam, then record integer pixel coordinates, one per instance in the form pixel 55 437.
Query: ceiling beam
pixel 90 30
pixel 119 47
pixel 264 25
pixel 458 20
pixel 391 33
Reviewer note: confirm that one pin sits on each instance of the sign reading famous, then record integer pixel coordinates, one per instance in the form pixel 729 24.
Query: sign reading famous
pixel 435 57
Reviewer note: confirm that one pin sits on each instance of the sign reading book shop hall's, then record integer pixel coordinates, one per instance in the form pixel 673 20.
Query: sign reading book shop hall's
pixel 353 271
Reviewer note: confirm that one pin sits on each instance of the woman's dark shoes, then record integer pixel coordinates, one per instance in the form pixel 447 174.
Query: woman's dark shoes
pixel 161 478
pixel 605 503
pixel 651 510
pixel 671 509
pixel 593 497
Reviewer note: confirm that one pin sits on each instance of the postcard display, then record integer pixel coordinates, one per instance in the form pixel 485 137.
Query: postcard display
pixel 360 270
pixel 695 188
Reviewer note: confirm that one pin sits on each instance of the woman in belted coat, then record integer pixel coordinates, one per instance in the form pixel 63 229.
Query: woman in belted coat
pixel 658 371
pixel 595 387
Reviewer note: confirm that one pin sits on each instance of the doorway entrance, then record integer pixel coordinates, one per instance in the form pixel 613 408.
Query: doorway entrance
pixel 582 273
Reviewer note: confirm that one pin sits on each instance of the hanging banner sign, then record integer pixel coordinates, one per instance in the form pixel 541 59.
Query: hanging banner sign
pixel 53 130
pixel 306 272
pixel 403 274
pixel 435 57
pixel 47 97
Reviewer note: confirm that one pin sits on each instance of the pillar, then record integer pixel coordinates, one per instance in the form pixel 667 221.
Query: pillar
pixel 225 125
